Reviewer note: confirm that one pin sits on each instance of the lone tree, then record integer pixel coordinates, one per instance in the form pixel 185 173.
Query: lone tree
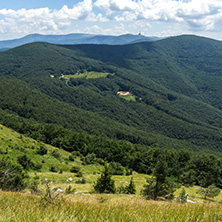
pixel 105 183
pixel 158 186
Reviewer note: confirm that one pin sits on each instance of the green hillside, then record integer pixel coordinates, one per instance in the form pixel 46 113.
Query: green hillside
pixel 14 146
pixel 175 101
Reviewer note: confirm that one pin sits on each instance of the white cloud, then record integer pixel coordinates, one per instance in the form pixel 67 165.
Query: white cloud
pixel 196 13
pixel 113 30
pixel 45 20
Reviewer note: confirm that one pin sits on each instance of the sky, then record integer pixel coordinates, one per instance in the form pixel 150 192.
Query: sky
pixel 160 18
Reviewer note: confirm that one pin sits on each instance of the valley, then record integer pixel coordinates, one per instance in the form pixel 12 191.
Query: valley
pixel 147 110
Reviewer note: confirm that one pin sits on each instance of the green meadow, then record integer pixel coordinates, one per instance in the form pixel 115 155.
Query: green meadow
pixel 129 97
pixel 86 75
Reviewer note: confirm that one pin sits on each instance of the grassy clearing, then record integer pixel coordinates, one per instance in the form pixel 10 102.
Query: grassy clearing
pixel 87 75
pixel 24 207
pixel 128 97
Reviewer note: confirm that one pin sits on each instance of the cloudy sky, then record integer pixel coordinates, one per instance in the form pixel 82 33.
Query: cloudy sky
pixel 113 17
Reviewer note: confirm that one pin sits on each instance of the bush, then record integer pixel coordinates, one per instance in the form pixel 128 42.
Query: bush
pixel 81 181
pixel 70 190
pixel 49 195
pixel 74 169
pixel 89 159
pixel 42 150
pixel 211 191
pixel 11 176
pixel 34 188
pixel 37 166
pixel 182 197
pixel 56 154
pixel 117 168
pixel 53 169
pixel 79 174
pixel 25 161
pixel 131 188
pixel 71 158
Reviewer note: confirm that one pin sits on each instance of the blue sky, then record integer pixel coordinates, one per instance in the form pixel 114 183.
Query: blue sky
pixel 30 4
pixel 113 17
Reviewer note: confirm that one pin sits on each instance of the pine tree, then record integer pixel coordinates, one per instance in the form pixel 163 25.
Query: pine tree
pixel 105 183
pixel 131 188
pixel 159 186
pixel 182 197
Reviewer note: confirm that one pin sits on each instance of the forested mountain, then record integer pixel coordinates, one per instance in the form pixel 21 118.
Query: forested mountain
pixel 76 38
pixel 173 85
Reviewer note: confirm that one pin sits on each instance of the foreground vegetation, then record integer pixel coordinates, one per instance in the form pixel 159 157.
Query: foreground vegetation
pixel 78 200
pixel 103 207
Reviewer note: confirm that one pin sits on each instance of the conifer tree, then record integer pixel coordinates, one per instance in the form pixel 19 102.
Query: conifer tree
pixel 131 188
pixel 158 186
pixel 105 183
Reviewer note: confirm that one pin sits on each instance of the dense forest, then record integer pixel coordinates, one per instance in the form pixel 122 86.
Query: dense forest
pixel 68 96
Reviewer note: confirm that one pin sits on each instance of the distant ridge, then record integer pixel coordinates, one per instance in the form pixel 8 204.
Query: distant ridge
pixel 76 39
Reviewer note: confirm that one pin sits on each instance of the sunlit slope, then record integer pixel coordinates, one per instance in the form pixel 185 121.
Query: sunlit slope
pixel 170 107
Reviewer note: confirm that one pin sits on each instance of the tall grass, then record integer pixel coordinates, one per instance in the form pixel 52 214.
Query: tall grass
pixel 24 207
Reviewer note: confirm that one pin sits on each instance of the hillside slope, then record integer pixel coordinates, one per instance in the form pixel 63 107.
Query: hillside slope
pixel 175 101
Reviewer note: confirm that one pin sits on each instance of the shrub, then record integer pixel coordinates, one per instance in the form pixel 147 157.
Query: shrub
pixel 117 168
pixel 211 191
pixel 131 188
pixel 49 195
pixel 25 161
pixel 182 197
pixel 70 190
pixel 79 174
pixel 11 176
pixel 37 166
pixel 81 181
pixel 42 150
pixel 34 189
pixel 74 169
pixel 53 169
pixel 89 159
pixel 71 158
pixel 56 154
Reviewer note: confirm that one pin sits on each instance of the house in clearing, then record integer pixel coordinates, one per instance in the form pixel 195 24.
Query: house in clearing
pixel 122 93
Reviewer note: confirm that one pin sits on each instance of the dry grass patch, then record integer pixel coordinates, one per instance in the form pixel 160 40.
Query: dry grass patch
pixel 101 207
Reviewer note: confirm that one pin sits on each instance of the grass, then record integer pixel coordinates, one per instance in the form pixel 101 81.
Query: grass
pixel 87 75
pixel 103 207
pixel 128 97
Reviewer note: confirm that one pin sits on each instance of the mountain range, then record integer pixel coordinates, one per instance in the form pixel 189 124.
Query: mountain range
pixel 164 93
pixel 77 38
